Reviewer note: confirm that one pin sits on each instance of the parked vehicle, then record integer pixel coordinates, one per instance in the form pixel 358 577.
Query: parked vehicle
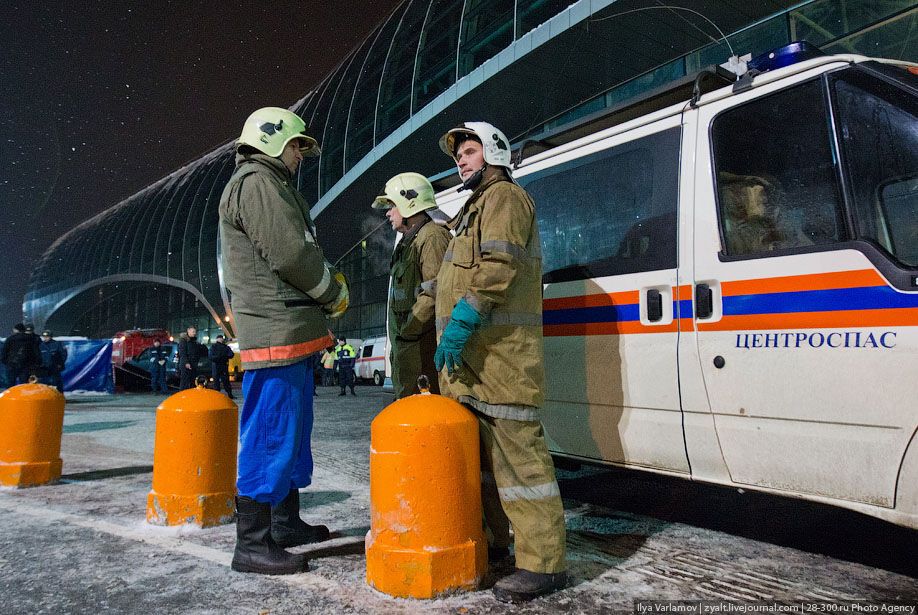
pixel 127 344
pixel 371 360
pixel 731 281
pixel 135 373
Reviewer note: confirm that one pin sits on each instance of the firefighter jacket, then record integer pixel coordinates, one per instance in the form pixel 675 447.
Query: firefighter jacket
pixel 415 264
pixel 495 262
pixel 273 265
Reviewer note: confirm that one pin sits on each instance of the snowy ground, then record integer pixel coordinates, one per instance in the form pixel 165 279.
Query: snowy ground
pixel 82 546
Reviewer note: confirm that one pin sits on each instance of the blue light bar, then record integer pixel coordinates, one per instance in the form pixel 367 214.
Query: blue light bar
pixel 797 51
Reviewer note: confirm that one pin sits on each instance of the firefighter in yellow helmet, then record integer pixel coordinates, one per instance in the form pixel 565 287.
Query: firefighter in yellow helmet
pixel 408 199
pixel 283 291
pixel 489 320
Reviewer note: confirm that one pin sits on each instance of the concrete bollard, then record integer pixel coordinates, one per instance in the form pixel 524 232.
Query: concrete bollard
pixel 194 459
pixel 425 535
pixel 31 423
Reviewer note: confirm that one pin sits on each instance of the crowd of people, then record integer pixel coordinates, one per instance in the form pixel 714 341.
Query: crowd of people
pixel 25 356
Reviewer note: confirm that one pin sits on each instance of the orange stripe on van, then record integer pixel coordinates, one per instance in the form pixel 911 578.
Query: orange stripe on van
pixel 291 351
pixel 893 317
pixel 816 281
pixel 597 300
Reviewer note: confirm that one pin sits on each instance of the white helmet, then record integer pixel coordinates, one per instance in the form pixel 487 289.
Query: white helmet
pixel 409 193
pixel 493 141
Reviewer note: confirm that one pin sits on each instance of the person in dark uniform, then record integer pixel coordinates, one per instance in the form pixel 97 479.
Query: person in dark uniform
pixel 189 353
pixel 347 358
pixel 53 359
pixel 21 354
pixel 220 354
pixel 158 358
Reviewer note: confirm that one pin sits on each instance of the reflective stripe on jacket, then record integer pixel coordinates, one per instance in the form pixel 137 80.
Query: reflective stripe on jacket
pixel 495 262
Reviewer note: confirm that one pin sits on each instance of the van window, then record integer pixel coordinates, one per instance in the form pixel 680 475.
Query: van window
pixel 878 132
pixel 368 350
pixel 611 212
pixel 775 171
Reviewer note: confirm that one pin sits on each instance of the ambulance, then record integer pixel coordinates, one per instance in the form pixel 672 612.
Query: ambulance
pixel 730 269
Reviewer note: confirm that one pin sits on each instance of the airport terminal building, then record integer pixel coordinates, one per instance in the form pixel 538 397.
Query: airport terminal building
pixel 531 67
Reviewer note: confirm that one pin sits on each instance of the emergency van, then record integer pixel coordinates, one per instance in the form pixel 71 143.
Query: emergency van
pixel 730 271
pixel 371 360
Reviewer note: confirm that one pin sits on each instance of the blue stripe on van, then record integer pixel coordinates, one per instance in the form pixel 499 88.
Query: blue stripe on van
pixel 868 298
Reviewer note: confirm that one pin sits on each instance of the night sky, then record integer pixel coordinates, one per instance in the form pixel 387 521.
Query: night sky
pixel 100 99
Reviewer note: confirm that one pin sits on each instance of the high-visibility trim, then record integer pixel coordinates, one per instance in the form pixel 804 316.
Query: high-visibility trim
pixel 283 353
pixel 319 289
pixel 511 412
pixel 497 245
pixel 500 319
pixel 537 492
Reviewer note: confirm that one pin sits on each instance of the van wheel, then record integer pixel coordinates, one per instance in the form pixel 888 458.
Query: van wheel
pixel 377 379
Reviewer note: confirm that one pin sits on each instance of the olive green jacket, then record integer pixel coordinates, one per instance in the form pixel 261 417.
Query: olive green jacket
pixel 495 262
pixel 273 265
pixel 415 264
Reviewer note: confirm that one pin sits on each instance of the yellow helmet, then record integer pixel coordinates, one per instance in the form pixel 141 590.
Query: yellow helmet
pixel 270 129
pixel 410 193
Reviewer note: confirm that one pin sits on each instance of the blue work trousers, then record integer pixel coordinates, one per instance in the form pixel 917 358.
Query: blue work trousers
pixel 158 379
pixel 275 431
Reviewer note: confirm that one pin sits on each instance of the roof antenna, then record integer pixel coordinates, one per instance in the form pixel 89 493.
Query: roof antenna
pixel 735 64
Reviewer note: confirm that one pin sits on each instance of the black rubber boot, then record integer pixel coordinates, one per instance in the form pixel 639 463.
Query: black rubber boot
pixel 523 585
pixel 288 530
pixel 256 551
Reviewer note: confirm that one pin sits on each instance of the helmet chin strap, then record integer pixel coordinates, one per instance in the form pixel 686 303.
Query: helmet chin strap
pixel 474 179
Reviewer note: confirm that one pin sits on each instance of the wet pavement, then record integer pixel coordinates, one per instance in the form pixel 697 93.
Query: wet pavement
pixel 82 545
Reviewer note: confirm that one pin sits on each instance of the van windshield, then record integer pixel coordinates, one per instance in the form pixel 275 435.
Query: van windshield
pixel 878 133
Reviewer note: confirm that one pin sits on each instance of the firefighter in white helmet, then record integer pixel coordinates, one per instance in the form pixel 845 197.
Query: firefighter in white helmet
pixel 282 292
pixel 408 199
pixel 489 320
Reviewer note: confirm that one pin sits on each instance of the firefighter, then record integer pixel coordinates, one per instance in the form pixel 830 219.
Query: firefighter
pixel 347 358
pixel 489 320
pixel 220 354
pixel 282 292
pixel 408 199
pixel 53 358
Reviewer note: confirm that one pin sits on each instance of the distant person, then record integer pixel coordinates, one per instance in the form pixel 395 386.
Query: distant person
pixel 53 359
pixel 347 359
pixel 158 358
pixel 220 354
pixel 21 354
pixel 408 198
pixel 283 291
pixel 190 351
pixel 328 366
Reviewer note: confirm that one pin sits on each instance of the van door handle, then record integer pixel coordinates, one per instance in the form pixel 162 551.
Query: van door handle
pixel 704 301
pixel 654 305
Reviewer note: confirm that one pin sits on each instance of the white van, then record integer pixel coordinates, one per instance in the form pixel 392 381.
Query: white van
pixel 731 281
pixel 371 360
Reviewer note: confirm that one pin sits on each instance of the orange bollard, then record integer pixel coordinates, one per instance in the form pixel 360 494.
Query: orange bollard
pixel 194 459
pixel 425 535
pixel 31 423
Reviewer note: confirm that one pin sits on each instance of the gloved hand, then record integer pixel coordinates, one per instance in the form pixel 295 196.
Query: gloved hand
pixel 462 323
pixel 338 306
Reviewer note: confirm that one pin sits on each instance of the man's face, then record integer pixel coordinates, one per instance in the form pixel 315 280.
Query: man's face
pixel 156 343
pixel 396 220
pixel 191 331
pixel 46 338
pixel 469 158
pixel 291 156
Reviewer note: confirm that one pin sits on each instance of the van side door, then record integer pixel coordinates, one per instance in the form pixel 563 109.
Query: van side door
pixel 807 330
pixel 607 214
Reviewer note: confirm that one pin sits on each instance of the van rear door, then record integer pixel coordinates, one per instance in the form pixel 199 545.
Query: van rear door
pixel 807 328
